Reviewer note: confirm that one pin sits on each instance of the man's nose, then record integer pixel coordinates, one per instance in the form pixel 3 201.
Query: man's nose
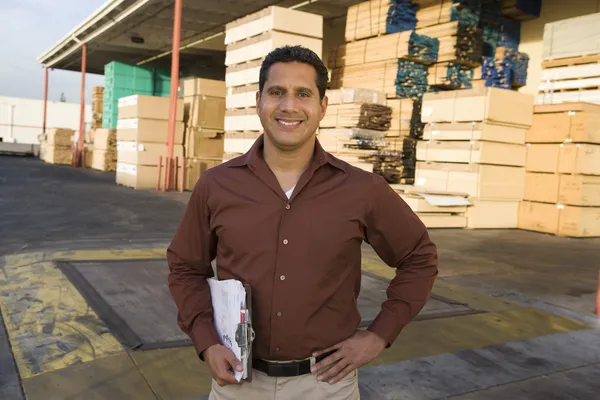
pixel 289 103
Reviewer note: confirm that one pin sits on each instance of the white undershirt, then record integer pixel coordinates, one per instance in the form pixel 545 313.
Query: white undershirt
pixel 289 192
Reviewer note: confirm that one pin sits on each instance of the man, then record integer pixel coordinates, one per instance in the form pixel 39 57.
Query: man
pixel 288 219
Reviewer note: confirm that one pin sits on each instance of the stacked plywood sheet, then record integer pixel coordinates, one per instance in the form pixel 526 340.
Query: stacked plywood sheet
pixel 562 186
pixel 475 144
pixel 56 146
pixel 97 106
pixel 249 40
pixel 570 80
pixel 104 150
pixel 204 110
pixel 142 135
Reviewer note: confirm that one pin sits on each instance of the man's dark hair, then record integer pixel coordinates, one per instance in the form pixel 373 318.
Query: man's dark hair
pixel 298 54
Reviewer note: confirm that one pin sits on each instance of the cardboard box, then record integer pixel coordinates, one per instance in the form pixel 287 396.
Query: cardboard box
pixel 486 131
pixel 489 182
pixel 542 157
pixel 479 104
pixel 579 190
pixel 196 167
pixel 206 112
pixel 147 130
pixel 472 152
pixel 152 107
pixel 103 138
pixel 568 122
pixel 142 177
pixel 490 214
pixel 579 159
pixel 204 143
pixel 538 217
pixel 541 187
pixel 203 87
pixel 139 153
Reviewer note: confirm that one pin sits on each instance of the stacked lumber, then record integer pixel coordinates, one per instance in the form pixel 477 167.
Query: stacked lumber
pixel 97 106
pixel 568 80
pixel 475 144
pixel 142 136
pixel 56 146
pixel 104 150
pixel 459 43
pixel 562 184
pixel 204 119
pixel 353 145
pixel 521 10
pixel 248 41
pixel 450 76
pixel 402 45
pixel 378 17
pixel 507 70
pixel 432 12
pixel 359 115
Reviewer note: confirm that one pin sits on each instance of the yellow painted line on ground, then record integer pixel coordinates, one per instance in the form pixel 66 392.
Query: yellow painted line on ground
pixel 49 323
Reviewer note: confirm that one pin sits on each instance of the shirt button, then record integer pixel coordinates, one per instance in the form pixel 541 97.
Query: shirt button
pixel 279 314
pixel 285 241
pixel 287 207
pixel 277 349
pixel 282 277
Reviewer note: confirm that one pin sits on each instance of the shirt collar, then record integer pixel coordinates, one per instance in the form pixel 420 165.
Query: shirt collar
pixel 254 156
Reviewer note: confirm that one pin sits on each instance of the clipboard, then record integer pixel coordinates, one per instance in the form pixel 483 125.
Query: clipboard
pixel 244 335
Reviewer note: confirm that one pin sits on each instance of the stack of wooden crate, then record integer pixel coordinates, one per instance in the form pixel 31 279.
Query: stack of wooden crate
pixel 104 150
pixel 249 40
pixel 204 105
pixel 562 187
pixel 355 125
pixel 142 135
pixel 56 146
pixel 475 145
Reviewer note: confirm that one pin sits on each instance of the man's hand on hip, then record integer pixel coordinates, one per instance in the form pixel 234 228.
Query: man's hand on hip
pixel 220 361
pixel 350 354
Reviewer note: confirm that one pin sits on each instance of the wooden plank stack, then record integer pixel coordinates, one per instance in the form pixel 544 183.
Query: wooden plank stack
pixel 104 150
pixel 562 186
pixel 142 135
pixel 204 117
pixel 507 70
pixel 378 17
pixel 56 146
pixel 570 80
pixel 97 106
pixel 248 40
pixel 475 144
pixel 355 125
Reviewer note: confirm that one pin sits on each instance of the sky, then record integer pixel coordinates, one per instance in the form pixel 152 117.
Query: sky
pixel 27 29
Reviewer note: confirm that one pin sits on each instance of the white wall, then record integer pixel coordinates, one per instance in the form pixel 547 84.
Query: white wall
pixel 21 119
pixel 532 33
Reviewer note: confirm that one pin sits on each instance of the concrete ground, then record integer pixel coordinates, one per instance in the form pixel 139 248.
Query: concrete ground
pixel 533 335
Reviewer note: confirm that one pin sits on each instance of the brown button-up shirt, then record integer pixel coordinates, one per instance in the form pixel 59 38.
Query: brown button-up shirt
pixel 301 256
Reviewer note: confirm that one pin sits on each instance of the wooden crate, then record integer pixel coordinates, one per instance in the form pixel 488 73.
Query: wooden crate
pixel 259 46
pixel 478 152
pixel 274 18
pixel 137 153
pixel 485 131
pixel 148 130
pixel 485 182
pixel 572 122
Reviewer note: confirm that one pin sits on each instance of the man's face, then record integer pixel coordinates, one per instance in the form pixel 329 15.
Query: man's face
pixel 289 106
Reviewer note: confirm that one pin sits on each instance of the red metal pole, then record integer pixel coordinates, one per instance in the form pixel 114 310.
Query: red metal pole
pixel 45 98
pixel 80 162
pixel 174 90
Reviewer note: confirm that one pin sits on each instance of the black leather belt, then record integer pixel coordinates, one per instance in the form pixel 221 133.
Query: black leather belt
pixel 286 369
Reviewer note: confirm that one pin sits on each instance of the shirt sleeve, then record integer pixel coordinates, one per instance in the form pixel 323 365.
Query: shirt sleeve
pixel 401 240
pixel 189 258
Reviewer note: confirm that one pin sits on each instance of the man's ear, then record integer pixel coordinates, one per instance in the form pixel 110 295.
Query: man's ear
pixel 324 104
pixel 257 99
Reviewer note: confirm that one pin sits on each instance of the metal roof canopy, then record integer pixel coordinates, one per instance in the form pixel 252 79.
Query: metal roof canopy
pixel 135 31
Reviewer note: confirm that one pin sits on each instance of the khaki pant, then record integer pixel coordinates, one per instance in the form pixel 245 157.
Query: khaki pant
pixel 304 387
